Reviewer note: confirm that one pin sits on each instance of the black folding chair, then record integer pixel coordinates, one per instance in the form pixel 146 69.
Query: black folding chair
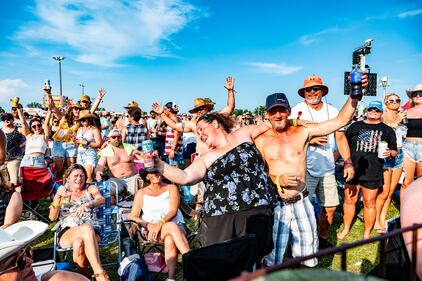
pixel 221 261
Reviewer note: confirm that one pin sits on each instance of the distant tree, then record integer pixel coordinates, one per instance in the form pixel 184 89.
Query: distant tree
pixel 238 111
pixel 259 110
pixel 34 104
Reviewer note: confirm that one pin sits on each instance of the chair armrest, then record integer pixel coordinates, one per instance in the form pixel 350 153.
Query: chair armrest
pixel 56 226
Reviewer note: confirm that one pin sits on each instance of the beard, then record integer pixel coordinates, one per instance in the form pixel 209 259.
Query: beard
pixel 313 101
pixel 280 125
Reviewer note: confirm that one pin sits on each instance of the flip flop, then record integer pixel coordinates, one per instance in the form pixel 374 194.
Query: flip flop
pixel 381 230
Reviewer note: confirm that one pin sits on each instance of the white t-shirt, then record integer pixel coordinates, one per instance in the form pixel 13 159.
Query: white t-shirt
pixel 319 159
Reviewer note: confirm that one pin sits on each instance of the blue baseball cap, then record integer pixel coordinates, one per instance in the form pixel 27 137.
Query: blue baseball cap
pixel 277 99
pixel 375 104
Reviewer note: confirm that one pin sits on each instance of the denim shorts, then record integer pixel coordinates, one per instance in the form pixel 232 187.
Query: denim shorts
pixel 87 157
pixel 394 162
pixel 64 150
pixel 33 161
pixel 413 150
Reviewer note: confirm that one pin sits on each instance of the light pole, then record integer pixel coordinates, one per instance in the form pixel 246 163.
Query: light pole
pixel 83 88
pixel 384 83
pixel 59 59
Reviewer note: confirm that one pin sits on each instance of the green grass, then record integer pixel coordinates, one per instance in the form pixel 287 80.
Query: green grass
pixel 359 260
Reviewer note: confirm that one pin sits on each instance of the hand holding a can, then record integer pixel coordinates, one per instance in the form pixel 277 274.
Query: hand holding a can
pixel 383 151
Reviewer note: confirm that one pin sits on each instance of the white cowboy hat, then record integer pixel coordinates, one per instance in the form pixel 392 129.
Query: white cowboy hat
pixel 16 236
pixel 418 88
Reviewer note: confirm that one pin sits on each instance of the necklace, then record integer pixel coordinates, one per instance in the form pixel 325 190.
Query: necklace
pixel 312 117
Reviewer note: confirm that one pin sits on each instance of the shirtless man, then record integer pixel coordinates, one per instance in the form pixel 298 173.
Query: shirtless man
pixel 118 157
pixel 284 149
pixel 201 106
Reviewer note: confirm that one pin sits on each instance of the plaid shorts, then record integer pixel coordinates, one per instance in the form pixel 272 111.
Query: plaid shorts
pixel 295 223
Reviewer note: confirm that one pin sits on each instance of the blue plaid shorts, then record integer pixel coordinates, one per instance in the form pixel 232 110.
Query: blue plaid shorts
pixel 295 223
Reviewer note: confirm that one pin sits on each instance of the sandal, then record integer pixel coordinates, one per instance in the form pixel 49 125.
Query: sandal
pixel 96 275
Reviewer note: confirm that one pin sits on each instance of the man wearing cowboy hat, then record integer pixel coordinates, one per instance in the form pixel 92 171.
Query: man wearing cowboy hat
pixel 85 101
pixel 201 106
pixel 320 177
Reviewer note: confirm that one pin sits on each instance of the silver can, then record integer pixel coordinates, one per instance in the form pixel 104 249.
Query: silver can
pixel 147 146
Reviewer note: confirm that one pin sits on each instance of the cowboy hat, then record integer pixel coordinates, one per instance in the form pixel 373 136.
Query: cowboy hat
pixel 311 81
pixel 86 114
pixel 132 104
pixel 85 98
pixel 199 102
pixel 16 236
pixel 418 88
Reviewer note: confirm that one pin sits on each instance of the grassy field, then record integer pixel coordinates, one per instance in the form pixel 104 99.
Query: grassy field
pixel 359 260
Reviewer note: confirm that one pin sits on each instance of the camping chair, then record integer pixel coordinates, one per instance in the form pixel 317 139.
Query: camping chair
pixel 109 219
pixel 221 261
pixel 36 184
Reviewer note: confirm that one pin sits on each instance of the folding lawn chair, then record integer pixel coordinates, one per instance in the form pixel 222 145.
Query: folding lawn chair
pixel 109 219
pixel 36 184
pixel 221 261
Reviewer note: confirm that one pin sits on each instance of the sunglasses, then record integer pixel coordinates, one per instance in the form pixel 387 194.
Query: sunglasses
pixel 394 101
pixel 202 107
pixel 14 108
pixel 85 101
pixel 56 122
pixel 374 108
pixel 314 88
pixel 116 137
pixel 34 126
pixel 417 94
pixel 20 263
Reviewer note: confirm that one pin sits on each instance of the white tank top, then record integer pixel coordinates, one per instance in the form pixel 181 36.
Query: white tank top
pixel 35 144
pixel 157 207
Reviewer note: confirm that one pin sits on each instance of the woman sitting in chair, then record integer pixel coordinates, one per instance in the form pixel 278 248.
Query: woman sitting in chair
pixel 161 219
pixel 77 206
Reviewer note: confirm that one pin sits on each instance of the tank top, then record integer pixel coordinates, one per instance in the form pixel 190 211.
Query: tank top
pixel 157 207
pixel 170 141
pixel 35 144
pixel 68 217
pixel 14 140
pixel 414 128
pixel 86 135
pixel 237 181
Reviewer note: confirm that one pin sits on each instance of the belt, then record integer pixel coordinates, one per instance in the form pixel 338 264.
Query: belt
pixel 294 199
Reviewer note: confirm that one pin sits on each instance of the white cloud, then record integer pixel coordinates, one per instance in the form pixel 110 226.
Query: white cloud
pixel 315 37
pixel 10 88
pixel 411 13
pixel 281 69
pixel 101 32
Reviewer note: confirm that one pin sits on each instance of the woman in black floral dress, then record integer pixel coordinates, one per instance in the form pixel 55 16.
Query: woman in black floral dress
pixel 238 193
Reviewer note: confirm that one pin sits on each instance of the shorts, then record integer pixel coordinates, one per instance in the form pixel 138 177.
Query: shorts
pixel 325 188
pixel 413 150
pixel 394 162
pixel 177 161
pixel 97 231
pixel 189 150
pixel 33 161
pixel 87 157
pixel 258 221
pixel 124 184
pixel 375 184
pixel 295 223
pixel 64 150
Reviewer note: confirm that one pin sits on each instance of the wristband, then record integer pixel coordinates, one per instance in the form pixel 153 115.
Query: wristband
pixel 162 115
pixel 294 120
pixel 348 163
pixel 54 205
pixel 163 221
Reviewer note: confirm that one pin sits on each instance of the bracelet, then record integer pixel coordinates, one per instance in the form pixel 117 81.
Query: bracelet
pixel 54 205
pixel 294 120
pixel 163 221
pixel 162 115
pixel 348 163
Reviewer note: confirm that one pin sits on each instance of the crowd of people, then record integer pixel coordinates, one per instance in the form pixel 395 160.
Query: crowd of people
pixel 250 174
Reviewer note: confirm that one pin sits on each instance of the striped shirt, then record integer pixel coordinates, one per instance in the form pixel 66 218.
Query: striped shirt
pixel 170 140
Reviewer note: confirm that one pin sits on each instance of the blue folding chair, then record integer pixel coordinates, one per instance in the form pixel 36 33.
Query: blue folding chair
pixel 109 219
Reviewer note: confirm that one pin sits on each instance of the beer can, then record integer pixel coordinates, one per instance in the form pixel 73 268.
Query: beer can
pixel 47 85
pixel 382 147
pixel 147 146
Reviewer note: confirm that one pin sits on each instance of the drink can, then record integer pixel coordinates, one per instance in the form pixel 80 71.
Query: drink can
pixel 147 146
pixel 382 147
pixel 15 102
pixel 149 160
pixel 47 85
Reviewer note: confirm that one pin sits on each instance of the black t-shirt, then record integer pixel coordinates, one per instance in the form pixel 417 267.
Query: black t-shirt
pixel 363 140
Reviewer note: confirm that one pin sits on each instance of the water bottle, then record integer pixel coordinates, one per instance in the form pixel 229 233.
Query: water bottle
pixel 356 82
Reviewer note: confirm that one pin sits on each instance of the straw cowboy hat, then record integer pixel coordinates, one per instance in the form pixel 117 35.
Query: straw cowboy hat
pixel 311 81
pixel 199 102
pixel 132 104
pixel 418 88
pixel 18 235
pixel 86 114
pixel 85 98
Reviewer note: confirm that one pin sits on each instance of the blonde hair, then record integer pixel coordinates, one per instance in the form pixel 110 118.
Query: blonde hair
pixel 388 96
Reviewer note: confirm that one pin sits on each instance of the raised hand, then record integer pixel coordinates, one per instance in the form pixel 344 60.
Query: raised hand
pixel 157 108
pixel 101 93
pixel 229 83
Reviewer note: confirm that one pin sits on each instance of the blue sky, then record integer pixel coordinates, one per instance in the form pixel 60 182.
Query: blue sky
pixel 156 50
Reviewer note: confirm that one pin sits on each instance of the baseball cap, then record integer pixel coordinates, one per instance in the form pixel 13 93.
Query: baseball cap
pixel 375 104
pixel 277 99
